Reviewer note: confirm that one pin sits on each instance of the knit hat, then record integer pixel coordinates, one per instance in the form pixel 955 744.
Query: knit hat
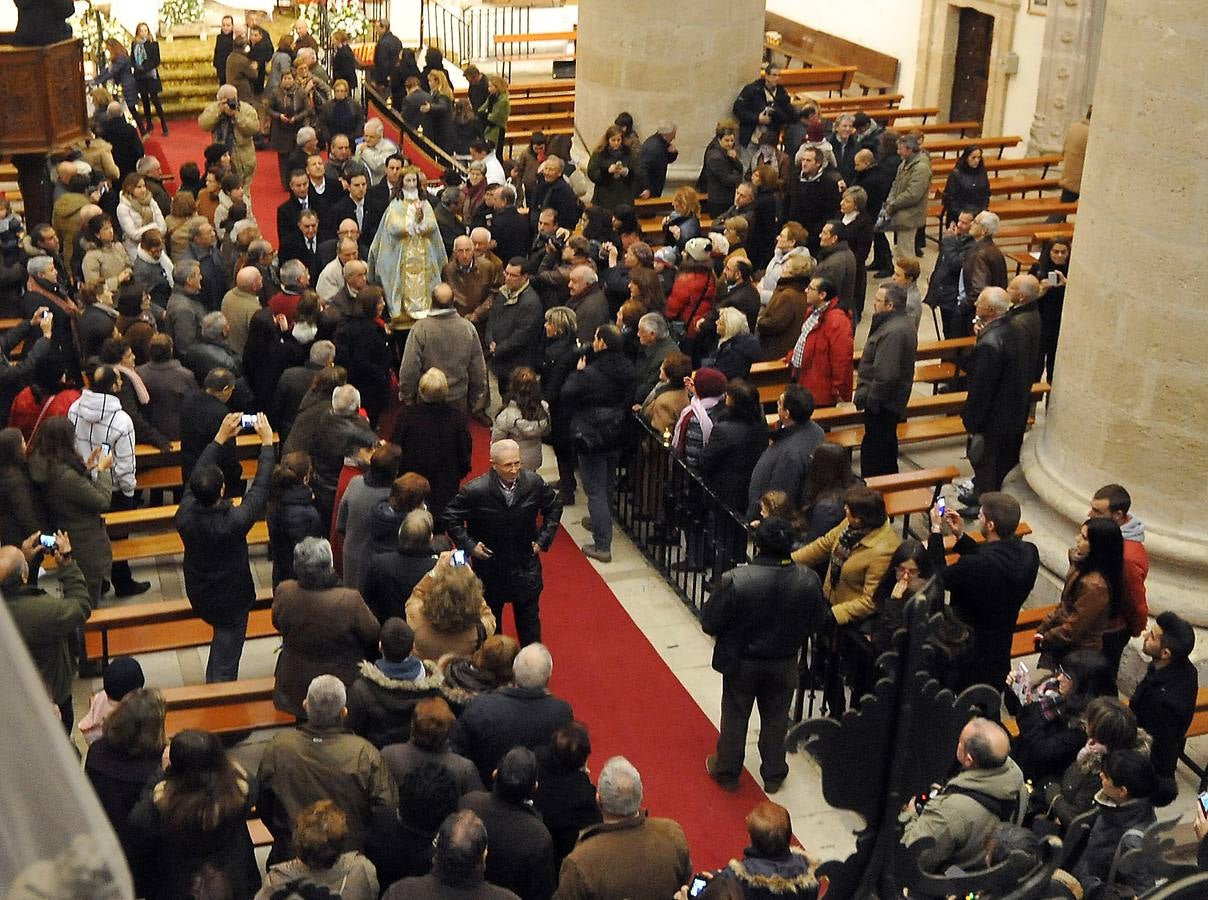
pixel 642 253
pixel 698 249
pixel 667 255
pixel 709 382
pixel 122 676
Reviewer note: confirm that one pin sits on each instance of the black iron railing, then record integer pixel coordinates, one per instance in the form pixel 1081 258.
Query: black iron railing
pixel 674 518
pixel 377 103
pixel 466 36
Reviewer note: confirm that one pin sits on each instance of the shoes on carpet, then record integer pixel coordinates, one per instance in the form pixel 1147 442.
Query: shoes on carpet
pixel 725 782
pixel 164 126
pixel 771 787
pixel 133 589
pixel 590 551
pixel 586 522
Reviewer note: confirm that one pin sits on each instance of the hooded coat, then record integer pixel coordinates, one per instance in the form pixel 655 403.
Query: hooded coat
pixel 99 419
pixel 380 707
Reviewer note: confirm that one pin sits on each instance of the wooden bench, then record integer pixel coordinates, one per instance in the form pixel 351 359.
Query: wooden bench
pixel 829 105
pixel 163 477
pixel 1198 728
pixel 956 145
pixel 1001 164
pixel 546 103
pixel 1031 234
pixel 908 493
pixel 224 707
pixel 532 88
pixel 511 48
pixel 873 70
pixel 160 625
pixel 1007 209
pixel 890 116
pixel 661 206
pixel 828 78
pixel 539 121
pixel 523 136
pixel 1005 186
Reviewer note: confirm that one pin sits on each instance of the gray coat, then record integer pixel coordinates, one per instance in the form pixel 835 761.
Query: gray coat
pixel 591 311
pixel 907 200
pixel 74 503
pixel 837 264
pixel 353 521
pixel 516 328
pixel 649 361
pixel 184 313
pixel 784 465
pixel 170 384
pixel 447 341
pixel 886 372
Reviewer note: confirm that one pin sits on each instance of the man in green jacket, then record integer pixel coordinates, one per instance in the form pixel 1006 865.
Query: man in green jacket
pixel 47 623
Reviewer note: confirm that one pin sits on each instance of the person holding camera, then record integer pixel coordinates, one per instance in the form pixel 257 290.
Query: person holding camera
pixel 35 335
pixel 218 575
pixel 234 124
pixel 762 105
pixel 47 622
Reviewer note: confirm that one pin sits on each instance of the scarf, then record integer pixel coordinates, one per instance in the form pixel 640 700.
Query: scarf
pixel 140 53
pixel 698 408
pixel 843 549
pixel 136 381
pixel 811 322
pixel 143 209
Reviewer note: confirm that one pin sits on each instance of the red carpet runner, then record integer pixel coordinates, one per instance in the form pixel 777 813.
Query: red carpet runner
pixel 603 664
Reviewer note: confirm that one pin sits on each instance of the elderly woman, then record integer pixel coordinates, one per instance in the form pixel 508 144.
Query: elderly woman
pixel 288 110
pixel 856 553
pixel 737 348
pixel 353 519
pixel 560 359
pixel 790 242
pixel 474 191
pixel 435 438
pixel 448 611
pixel 326 629
pixel 853 208
pixel 342 114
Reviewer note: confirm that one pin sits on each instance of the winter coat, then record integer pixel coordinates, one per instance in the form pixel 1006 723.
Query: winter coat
pixel 147 74
pixel 380 707
pixel 653 159
pixel 507 717
pixel 23 512
pixel 435 439
pixel 780 878
pixel 944 285
pixel 1164 703
pixel 99 419
pixel 613 190
pixel 641 857
pixel 729 458
pixel 988 585
pixel 515 328
pixel 323 632
pixel 446 339
pixel 691 298
pixel 959 823
pixel 296 106
pixel 120 782
pixel 984 267
pixel 561 356
pixel 837 264
pixel 65 217
pixel 106 264
pixel 999 383
pixel 291 517
pixel 218 575
pixel 1080 618
pixel 566 800
pixel 966 189
pixel 74 503
pixel 784 464
pixel 735 355
pixel 362 347
pixel 48 623
pixel 606 383
pixel 1117 829
pixel 511 424
pixel 353 522
pixel 170 384
pixel 522 851
pixel 826 368
pixel 886 374
pixel 719 177
pixel 130 218
pixel 812 202
pixel 493 113
pixel 392 574
pixel 907 200
pixel 780 322
pixel 850 594
pixel 96 325
pixel 200 419
pixel 752 100
pixel 591 311
pixel 1045 747
pixel 430 887
pixel 351 877
pixel 246 126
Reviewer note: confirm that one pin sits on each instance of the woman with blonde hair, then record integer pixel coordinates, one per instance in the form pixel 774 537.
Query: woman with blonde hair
pixel 683 223
pixel 525 419
pixel 441 112
pixel 494 112
pixel 181 222
pixel 613 168
pixel 561 356
pixel 448 611
pixel 737 348
pixel 319 837
pixel 342 114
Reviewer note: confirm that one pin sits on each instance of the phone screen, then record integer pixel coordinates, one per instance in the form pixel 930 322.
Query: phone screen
pixel 248 420
pixel 106 449
pixel 1204 802
pixel 459 558
pixel 699 883
pixel 941 506
pixel 48 541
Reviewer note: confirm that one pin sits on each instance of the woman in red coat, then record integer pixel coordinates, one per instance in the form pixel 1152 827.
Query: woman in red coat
pixel 695 289
pixel 821 360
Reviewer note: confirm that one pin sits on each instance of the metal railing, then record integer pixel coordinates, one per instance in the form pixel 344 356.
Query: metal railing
pixel 466 36
pixel 374 100
pixel 674 518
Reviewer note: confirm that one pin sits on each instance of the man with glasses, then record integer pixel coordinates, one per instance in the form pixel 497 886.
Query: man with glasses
pixel 762 104
pixel 516 326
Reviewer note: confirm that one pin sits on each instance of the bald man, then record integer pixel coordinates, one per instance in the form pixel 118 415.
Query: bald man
pixel 473 279
pixel 240 304
pixel 47 622
pixel 988 791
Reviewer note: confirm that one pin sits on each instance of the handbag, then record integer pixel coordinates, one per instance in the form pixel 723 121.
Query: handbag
pixel 679 329
pixel 597 429
pixel 881 225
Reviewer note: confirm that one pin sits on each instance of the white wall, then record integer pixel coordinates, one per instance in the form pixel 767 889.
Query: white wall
pixel 1020 107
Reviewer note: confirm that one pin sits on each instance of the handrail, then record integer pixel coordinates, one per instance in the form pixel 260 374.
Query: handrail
pixel 374 98
pixel 674 517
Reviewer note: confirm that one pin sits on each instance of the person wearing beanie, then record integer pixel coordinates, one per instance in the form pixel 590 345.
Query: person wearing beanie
pixel 666 262
pixel 122 676
pixel 694 291
pixel 706 389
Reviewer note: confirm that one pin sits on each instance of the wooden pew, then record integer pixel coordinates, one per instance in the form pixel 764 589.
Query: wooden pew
pixel 908 493
pixel 148 456
pixel 540 121
pixel 650 206
pixel 161 477
pixel 956 145
pixel 1025 208
pixel 942 166
pixel 1031 233
pixel 1025 626
pixel 874 70
pixel 159 625
pixel 543 103
pixel 532 88
pixel 125 522
pixel 524 135
pixel 890 116
pixel 829 78
pixel 829 105
pixel 224 707
pixel 1198 728
pixel 1005 186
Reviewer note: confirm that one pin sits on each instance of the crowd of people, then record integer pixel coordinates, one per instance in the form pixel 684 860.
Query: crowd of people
pixel 428 740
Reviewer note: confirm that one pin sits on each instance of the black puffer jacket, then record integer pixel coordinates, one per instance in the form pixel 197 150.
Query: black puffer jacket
pixel 561 354
pixel 730 456
pixel 380 707
pixel 290 519
pixel 605 383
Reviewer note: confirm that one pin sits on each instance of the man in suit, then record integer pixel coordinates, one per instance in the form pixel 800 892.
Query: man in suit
pixel 300 200
pixel 358 206
pixel 303 244
pixel 330 249
pixel 381 192
pixel 509 229
pixel 325 191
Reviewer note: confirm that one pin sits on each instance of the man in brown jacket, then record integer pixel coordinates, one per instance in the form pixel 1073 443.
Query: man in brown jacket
pixel 321 760
pixel 630 854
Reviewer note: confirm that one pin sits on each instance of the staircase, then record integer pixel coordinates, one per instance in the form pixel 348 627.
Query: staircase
pixel 187 73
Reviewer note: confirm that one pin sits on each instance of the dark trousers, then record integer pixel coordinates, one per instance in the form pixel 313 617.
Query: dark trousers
pixel 599 474
pixel 567 460
pixel 1067 196
pixel 225 651
pixel 768 683
pixel 882 257
pixel 998 458
pixel 1114 643
pixel 119 572
pixel 526 608
pixel 879 449
pixel 149 98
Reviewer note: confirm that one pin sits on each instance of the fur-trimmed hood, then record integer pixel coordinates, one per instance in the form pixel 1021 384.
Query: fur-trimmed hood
pixel 431 680
pixel 789 875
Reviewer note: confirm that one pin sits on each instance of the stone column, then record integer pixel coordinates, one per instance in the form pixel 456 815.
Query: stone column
pixel 683 64
pixel 1130 394
pixel 1069 61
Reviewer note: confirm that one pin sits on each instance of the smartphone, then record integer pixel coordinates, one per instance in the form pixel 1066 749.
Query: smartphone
pixel 941 507
pixel 1053 278
pixel 699 883
pixel 107 449
pixel 459 558
pixel 48 542
pixel 247 420
pixel 1204 802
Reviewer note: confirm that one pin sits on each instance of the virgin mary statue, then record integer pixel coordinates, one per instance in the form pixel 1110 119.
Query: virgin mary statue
pixel 407 254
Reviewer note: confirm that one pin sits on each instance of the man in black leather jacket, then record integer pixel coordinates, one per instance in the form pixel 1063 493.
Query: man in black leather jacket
pixel 494 520
pixel 760 614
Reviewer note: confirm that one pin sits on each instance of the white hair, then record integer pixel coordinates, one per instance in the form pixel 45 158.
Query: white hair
pixel 498 447
pixel 996 298
pixel 305 135
pixel 989 221
pixel 292 272
pixel 345 400
pixel 620 787
pixel 587 273
pixel 213 326
pixel 655 324
pixel 374 124
pixel 322 353
pixel 533 666
pixel 325 701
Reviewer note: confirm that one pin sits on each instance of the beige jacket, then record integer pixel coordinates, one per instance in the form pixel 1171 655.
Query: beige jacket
pixel 850 595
